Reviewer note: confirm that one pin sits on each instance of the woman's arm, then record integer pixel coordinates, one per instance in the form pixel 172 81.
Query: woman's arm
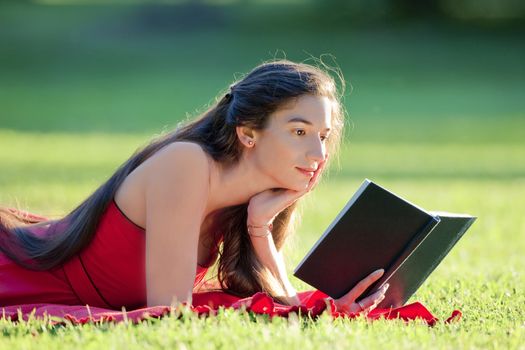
pixel 269 256
pixel 176 197
pixel 263 208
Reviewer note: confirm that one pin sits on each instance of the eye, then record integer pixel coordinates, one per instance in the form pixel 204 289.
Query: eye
pixel 324 138
pixel 301 132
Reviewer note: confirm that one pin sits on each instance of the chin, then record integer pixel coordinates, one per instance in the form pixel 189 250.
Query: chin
pixel 301 185
pixel 297 188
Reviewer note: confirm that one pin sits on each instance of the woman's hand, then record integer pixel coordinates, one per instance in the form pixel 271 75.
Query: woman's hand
pixel 347 302
pixel 266 205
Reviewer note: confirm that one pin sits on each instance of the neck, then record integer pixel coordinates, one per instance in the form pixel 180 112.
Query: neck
pixel 236 184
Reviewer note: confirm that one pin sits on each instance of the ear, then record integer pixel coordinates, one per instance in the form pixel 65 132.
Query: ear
pixel 246 135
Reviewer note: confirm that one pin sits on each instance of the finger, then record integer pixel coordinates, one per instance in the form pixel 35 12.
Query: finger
pixel 315 179
pixel 369 303
pixel 376 297
pixel 361 286
pixel 290 196
pixel 377 302
pixel 322 165
pixel 369 306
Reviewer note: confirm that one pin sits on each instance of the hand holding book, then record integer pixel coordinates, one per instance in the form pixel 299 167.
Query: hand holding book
pixel 347 303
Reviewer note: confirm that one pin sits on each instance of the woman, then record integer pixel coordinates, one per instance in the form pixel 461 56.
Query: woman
pixel 222 188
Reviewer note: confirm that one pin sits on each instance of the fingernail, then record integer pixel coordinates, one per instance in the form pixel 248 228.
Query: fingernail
pixel 386 286
pixel 378 271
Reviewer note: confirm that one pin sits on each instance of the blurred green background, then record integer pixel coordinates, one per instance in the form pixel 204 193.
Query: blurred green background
pixel 84 66
pixel 435 99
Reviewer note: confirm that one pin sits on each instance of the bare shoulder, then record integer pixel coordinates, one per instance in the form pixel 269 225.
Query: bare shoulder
pixel 185 149
pixel 179 168
pixel 181 157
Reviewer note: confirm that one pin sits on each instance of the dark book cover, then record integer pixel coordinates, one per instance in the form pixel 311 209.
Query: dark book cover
pixel 408 274
pixel 378 229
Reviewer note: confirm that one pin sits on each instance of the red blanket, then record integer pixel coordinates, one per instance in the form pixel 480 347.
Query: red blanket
pixel 207 303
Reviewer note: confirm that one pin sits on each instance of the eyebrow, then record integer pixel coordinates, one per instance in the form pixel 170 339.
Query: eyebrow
pixel 301 120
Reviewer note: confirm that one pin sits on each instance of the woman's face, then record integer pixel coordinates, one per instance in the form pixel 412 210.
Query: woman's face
pixel 295 137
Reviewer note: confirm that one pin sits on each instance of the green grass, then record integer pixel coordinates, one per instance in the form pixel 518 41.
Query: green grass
pixel 437 114
pixel 482 276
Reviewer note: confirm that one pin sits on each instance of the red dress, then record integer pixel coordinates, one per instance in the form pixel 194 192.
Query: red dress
pixel 108 273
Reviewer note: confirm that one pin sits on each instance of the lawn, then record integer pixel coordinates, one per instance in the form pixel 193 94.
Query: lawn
pixel 482 276
pixel 435 114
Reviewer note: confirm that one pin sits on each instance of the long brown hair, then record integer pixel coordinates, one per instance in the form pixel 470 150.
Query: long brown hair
pixel 248 102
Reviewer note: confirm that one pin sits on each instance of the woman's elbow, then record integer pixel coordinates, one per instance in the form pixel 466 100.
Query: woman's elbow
pixel 169 299
pixel 174 302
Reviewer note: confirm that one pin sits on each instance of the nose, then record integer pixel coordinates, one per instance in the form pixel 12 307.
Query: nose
pixel 317 153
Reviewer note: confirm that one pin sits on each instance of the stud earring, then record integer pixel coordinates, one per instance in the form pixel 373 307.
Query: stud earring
pixel 250 142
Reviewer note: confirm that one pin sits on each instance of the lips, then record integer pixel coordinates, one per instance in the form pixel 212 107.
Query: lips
pixel 307 172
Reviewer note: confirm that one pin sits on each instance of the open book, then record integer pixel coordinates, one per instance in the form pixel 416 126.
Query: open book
pixel 378 229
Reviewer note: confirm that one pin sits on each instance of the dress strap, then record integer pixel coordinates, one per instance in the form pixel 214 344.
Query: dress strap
pixel 82 284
